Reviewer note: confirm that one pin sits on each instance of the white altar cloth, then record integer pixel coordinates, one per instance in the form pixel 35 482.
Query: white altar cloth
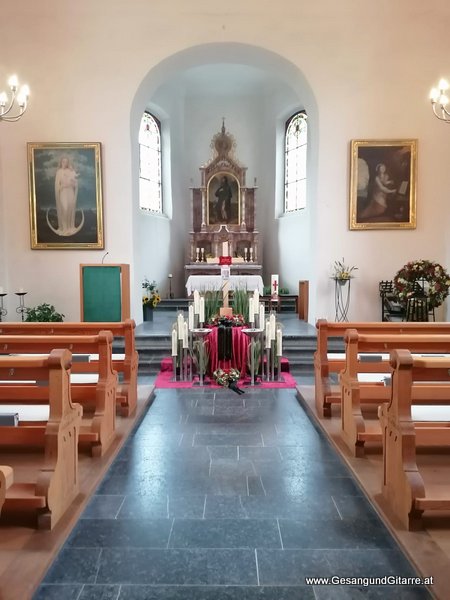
pixel 204 283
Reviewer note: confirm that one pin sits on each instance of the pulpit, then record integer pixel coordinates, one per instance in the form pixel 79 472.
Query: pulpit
pixel 223 215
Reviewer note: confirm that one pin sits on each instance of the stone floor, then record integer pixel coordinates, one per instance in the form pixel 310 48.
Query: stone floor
pixel 217 496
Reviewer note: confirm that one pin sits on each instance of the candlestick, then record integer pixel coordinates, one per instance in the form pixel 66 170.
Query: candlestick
pixel 202 310
pixel 191 316
pixel 174 341
pixel 180 326
pixel 196 302
pixel 251 311
pixel 3 311
pixel 279 343
pixel 21 309
pixel 261 314
pixel 256 301
pixel 185 335
pixel 197 250
pixel 273 321
pixel 268 338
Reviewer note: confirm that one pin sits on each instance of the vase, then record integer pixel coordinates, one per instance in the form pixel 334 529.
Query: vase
pixel 148 312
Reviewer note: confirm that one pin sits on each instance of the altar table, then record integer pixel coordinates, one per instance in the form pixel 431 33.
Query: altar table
pixel 205 283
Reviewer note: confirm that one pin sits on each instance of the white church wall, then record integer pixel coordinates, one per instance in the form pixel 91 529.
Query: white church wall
pixel 84 81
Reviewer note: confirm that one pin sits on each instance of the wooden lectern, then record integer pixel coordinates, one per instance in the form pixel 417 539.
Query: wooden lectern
pixel 105 292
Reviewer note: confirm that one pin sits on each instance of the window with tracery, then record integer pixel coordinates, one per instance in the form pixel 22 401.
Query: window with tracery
pixel 295 145
pixel 150 178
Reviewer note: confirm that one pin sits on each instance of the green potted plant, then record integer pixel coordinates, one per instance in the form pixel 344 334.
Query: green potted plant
pixel 44 313
pixel 150 298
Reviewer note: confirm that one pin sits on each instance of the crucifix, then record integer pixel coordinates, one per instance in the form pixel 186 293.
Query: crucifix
pixel 274 286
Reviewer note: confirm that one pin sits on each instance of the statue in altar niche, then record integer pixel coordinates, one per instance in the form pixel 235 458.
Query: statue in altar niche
pixel 223 199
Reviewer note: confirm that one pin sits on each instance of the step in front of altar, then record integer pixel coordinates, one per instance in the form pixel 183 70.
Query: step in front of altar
pixel 166 364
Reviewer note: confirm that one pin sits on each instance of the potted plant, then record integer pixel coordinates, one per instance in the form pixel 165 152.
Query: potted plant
pixel 44 313
pixel 150 298
pixel 342 272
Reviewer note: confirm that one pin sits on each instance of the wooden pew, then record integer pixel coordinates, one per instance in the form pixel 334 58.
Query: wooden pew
pixel 6 481
pixel 98 397
pixel 325 364
pixel 47 484
pixel 404 486
pixel 126 365
pixel 356 430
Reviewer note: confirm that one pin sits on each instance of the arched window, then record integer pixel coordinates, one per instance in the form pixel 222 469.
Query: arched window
pixel 295 144
pixel 150 181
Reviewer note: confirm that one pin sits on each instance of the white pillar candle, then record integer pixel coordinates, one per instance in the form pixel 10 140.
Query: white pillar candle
pixel 185 335
pixel 202 310
pixel 279 342
pixel 196 302
pixel 180 326
pixel 1 290
pixel 225 249
pixel 272 320
pixel 174 342
pixel 261 315
pixel 20 290
pixel 191 317
pixel 256 301
pixel 251 311
pixel 267 333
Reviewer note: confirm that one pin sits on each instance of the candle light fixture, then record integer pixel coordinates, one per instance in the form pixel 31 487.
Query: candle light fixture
pixel 21 309
pixel 14 104
pixel 439 101
pixel 3 311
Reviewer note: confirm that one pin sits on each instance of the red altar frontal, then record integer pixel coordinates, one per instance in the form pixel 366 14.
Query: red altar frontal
pixel 239 351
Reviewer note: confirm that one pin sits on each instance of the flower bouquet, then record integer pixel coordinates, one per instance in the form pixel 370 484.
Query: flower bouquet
pixel 233 321
pixel 151 297
pixel 228 378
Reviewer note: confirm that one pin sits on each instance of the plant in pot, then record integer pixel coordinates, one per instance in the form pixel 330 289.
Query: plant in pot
pixel 44 313
pixel 150 298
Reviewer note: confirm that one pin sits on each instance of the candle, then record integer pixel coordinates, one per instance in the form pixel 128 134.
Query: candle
pixel 170 275
pixel 267 333
pixel 196 302
pixel 185 335
pixel 256 301
pixel 272 326
pixel 174 341
pixel 191 316
pixel 225 249
pixel 251 311
pixel 20 290
pixel 279 342
pixel 261 315
pixel 1 290
pixel 180 326
pixel 202 310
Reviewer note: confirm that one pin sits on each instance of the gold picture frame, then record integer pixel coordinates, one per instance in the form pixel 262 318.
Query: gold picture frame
pixel 383 184
pixel 65 194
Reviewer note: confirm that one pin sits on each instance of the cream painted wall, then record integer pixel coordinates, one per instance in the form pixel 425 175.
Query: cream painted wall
pixel 368 67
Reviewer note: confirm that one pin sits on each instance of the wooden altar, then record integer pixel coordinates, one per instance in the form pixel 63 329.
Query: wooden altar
pixel 223 215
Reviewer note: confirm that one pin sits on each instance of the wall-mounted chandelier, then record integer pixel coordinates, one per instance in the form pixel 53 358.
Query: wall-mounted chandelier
pixel 439 101
pixel 13 104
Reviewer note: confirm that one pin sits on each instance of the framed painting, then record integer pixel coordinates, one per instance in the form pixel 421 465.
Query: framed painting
pixel 383 184
pixel 224 200
pixel 65 192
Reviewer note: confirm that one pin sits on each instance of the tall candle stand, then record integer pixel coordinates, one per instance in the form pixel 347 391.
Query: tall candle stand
pixel 3 310
pixel 21 309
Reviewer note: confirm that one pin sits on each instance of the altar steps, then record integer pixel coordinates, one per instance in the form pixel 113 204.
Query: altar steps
pixel 153 342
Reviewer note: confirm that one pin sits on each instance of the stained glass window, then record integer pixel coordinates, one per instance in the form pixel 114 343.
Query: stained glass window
pixel 150 181
pixel 296 139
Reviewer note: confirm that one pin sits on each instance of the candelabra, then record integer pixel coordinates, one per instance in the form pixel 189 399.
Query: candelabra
pixel 21 309
pixel 14 106
pixel 3 310
pixel 439 98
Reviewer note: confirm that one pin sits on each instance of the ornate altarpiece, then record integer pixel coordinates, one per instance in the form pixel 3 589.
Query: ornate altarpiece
pixel 223 214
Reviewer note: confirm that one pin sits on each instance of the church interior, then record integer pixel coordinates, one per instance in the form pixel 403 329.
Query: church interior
pixel 239 215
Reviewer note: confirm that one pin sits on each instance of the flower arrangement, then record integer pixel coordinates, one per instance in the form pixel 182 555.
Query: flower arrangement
pixel 342 271
pixel 151 297
pixel 228 378
pixel 422 278
pixel 233 321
